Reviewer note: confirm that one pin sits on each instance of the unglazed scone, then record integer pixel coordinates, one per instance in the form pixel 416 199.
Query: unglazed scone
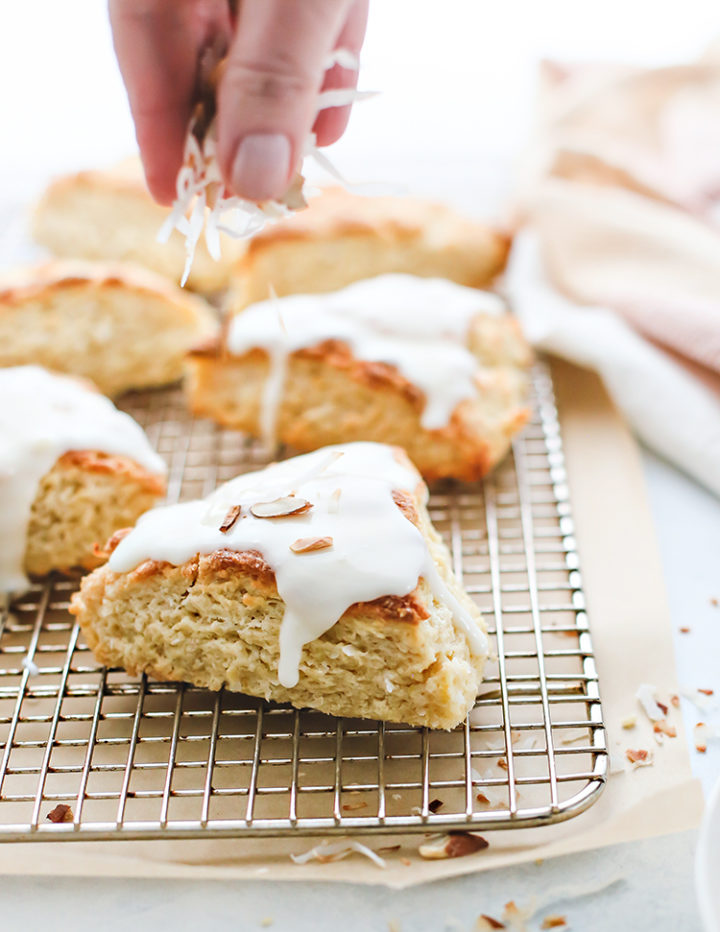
pixel 426 364
pixel 110 215
pixel 117 324
pixel 73 469
pixel 318 581
pixel 342 237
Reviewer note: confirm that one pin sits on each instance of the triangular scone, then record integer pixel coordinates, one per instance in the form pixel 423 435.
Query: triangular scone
pixel 109 214
pixel 117 324
pixel 342 237
pixel 73 469
pixel 426 364
pixel 318 581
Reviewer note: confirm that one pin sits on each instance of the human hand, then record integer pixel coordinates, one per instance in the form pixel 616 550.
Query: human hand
pixel 268 93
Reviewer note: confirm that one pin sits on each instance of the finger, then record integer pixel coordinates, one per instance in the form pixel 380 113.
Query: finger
pixel 330 124
pixel 268 94
pixel 155 46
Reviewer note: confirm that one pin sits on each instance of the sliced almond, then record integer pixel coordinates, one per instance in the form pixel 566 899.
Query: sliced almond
pixel 553 922
pixel 285 507
pixel 230 518
pixel 666 729
pixel 353 807
pixel 675 700
pixel 639 757
pixel 61 813
pixel 701 733
pixel 454 845
pixel 485 923
pixel 311 544
pixel 706 692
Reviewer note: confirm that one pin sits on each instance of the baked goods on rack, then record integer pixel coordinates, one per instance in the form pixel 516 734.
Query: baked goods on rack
pixel 117 324
pixel 109 214
pixel 426 364
pixel 73 469
pixel 341 237
pixel 318 581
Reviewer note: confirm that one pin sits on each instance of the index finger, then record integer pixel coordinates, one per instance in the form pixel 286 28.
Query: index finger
pixel 157 44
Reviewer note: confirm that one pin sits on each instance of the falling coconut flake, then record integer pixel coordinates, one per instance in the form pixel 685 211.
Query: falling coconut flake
pixel 30 666
pixel 202 201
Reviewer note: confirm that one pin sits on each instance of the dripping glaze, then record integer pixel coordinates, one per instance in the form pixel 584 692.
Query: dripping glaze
pixel 418 325
pixel 375 550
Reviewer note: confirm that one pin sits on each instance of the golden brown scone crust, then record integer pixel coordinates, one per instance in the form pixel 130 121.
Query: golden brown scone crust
pixel 117 324
pixel 215 621
pixel 341 238
pixel 332 397
pixel 85 497
pixel 110 215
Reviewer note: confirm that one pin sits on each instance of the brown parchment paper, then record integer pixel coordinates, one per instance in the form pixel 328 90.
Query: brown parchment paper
pixel 633 645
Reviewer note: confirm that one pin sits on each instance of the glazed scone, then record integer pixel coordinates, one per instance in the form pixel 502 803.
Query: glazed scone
pixel 73 469
pixel 436 368
pixel 116 324
pixel 110 215
pixel 318 581
pixel 86 497
pixel 341 238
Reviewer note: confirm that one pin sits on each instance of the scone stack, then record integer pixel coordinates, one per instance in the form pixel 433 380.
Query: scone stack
pixel 355 330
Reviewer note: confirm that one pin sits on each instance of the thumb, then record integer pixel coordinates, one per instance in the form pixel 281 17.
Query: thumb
pixel 267 100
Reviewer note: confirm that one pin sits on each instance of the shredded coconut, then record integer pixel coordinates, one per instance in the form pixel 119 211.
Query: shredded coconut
pixel 645 695
pixel 326 852
pixel 202 201
pixel 30 666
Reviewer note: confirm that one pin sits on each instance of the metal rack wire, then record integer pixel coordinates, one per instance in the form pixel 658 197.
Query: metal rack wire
pixel 133 758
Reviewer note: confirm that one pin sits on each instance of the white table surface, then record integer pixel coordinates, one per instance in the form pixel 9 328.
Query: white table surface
pixel 457 79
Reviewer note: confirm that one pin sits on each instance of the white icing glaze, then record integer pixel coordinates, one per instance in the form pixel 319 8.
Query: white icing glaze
pixel 375 550
pixel 43 416
pixel 419 325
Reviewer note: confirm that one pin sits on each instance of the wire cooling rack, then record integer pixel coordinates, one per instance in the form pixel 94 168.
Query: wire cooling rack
pixel 134 758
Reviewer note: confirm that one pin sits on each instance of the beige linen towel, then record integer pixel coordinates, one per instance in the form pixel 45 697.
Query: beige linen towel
pixel 620 191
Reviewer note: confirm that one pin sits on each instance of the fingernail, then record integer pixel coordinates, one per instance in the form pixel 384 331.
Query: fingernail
pixel 262 166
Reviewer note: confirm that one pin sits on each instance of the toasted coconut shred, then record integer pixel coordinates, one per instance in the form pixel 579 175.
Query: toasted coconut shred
pixel 203 204
pixel 327 852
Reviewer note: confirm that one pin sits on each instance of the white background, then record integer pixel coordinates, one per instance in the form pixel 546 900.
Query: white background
pixel 457 93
